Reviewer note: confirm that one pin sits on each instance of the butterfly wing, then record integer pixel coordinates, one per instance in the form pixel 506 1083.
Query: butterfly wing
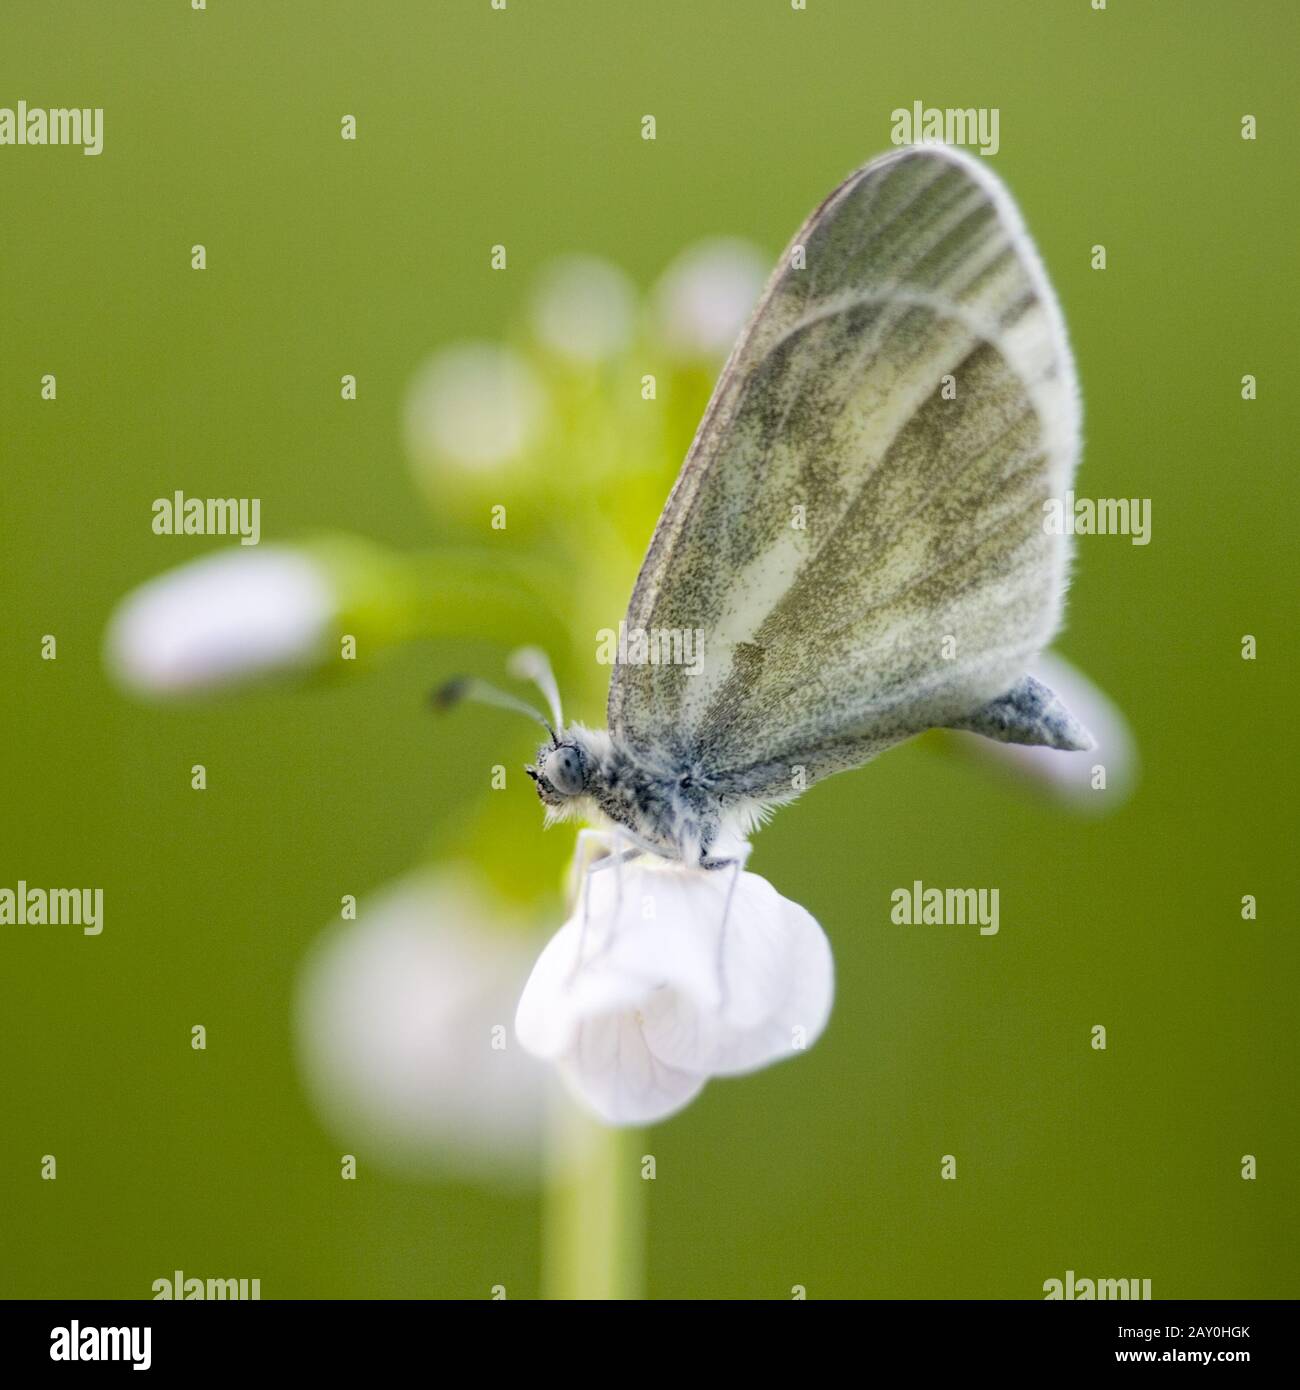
pixel 857 534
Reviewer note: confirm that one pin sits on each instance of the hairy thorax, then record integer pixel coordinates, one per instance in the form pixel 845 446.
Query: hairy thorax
pixel 670 810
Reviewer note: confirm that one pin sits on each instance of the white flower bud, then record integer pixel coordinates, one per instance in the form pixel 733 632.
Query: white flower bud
pixel 404 1036
pixel 584 309
pixel 475 407
pixel 216 620
pixel 705 296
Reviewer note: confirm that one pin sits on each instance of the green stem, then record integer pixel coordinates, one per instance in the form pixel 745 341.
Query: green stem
pixel 390 597
pixel 594 1210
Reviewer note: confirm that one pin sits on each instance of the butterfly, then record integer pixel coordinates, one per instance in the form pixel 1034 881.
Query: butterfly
pixel 857 534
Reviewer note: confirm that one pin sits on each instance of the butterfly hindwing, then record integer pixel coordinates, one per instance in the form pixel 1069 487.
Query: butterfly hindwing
pixel 857 533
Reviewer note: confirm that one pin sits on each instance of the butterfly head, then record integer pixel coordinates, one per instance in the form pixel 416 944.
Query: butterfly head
pixel 563 771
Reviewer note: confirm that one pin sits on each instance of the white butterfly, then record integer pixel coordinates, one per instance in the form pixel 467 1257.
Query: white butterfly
pixel 857 532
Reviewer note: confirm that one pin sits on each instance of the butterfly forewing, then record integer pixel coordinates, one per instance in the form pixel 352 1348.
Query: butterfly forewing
pixel 858 530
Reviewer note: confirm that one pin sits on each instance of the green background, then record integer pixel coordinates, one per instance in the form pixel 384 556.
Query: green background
pixel 1120 127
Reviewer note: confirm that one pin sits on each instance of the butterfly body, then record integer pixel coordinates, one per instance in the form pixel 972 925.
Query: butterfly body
pixel 682 809
pixel 674 809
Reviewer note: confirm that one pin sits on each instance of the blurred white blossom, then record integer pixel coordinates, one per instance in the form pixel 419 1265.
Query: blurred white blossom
pixel 705 296
pixel 404 1035
pixel 584 309
pixel 219 619
pixel 475 407
pixel 1072 777
pixel 651 997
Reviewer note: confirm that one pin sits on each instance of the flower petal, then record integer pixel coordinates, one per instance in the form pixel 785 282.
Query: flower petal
pixel 654 993
pixel 616 1074
pixel 562 994
pixel 770 984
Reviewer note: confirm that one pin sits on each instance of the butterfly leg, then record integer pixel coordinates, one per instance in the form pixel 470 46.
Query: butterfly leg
pixel 736 863
pixel 619 855
pixel 596 850
pixel 589 854
pixel 591 848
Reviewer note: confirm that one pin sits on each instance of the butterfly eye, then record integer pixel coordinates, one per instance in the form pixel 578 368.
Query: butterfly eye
pixel 563 770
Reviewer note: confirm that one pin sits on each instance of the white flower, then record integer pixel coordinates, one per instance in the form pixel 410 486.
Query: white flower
pixel 655 994
pixel 704 297
pixel 403 1023
pixel 1072 777
pixel 584 309
pixel 216 620
pixel 476 407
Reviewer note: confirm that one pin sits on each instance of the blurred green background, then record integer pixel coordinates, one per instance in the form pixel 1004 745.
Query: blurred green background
pixel 522 127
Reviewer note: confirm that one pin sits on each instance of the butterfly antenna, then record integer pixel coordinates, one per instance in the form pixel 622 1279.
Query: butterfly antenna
pixel 531 664
pixel 460 688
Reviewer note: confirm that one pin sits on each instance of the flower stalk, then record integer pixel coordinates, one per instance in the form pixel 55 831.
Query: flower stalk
pixel 593 1216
